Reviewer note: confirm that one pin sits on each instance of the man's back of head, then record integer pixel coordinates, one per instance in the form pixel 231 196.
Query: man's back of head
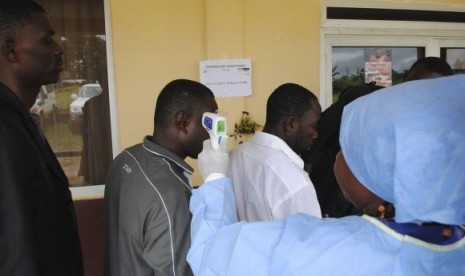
pixel 292 114
pixel 180 94
pixel 15 14
pixel 288 100
pixel 427 68
pixel 178 116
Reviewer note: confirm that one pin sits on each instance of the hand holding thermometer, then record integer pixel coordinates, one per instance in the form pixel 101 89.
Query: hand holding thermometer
pixel 216 126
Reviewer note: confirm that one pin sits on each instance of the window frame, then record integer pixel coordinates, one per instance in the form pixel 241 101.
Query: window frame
pixel 359 33
pixel 97 191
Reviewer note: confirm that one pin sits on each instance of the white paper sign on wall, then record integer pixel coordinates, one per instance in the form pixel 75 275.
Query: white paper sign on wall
pixel 227 77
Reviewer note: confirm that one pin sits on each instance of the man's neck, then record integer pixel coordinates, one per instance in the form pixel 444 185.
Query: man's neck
pixel 167 142
pixel 273 131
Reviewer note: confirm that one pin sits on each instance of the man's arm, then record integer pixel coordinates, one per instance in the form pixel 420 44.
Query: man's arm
pixel 212 207
pixel 220 245
pixel 18 206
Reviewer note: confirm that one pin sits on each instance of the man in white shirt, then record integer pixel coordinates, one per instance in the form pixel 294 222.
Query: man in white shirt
pixel 267 172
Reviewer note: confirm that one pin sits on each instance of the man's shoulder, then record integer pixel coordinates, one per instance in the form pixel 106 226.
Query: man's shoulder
pixel 137 152
pixel 125 162
pixel 242 147
pixel 140 176
pixel 255 150
pixel 252 152
pixel 13 126
pixel 133 150
pixel 8 112
pixel 136 162
pixel 136 155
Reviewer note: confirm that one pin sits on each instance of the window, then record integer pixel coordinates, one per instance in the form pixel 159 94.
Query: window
pixel 455 57
pixel 348 37
pixel 75 112
pixel 354 65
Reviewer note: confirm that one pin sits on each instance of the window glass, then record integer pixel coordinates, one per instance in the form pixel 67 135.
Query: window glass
pixel 74 112
pixel 455 57
pixel 384 65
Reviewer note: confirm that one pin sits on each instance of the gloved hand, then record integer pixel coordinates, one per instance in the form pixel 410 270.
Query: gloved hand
pixel 213 164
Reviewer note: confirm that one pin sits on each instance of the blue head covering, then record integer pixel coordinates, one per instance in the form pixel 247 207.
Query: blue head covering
pixel 406 144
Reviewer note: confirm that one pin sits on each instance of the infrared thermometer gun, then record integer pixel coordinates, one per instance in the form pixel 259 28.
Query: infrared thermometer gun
pixel 216 126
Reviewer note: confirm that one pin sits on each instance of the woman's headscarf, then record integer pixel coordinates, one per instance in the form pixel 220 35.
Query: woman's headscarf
pixel 406 144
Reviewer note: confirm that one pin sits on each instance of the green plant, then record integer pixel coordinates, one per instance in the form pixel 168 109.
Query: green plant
pixel 246 126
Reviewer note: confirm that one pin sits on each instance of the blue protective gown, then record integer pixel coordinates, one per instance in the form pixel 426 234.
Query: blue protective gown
pixel 305 245
pixel 406 144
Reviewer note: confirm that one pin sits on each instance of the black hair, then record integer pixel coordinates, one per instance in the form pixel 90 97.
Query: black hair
pixel 180 95
pixel 15 14
pixel 432 64
pixel 353 92
pixel 288 100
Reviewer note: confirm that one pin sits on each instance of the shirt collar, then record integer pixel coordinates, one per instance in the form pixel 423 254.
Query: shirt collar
pixel 272 141
pixel 161 151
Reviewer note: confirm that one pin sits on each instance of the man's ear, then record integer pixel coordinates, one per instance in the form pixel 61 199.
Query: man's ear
pixel 9 51
pixel 182 121
pixel 291 124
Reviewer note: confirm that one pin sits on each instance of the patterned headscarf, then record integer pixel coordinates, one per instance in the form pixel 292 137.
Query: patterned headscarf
pixel 406 144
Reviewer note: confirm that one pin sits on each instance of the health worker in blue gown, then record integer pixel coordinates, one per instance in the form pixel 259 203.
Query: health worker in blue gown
pixel 404 145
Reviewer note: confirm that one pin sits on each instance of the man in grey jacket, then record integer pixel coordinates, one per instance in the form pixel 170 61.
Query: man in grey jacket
pixel 148 187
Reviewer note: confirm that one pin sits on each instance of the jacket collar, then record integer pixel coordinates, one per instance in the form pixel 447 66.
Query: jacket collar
pixel 161 151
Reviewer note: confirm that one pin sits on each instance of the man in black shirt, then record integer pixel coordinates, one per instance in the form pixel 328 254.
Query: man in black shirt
pixel 38 229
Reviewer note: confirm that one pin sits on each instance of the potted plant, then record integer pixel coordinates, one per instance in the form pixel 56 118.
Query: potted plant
pixel 245 127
